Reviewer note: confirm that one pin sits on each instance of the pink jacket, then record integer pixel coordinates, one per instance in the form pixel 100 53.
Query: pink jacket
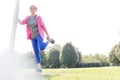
pixel 41 26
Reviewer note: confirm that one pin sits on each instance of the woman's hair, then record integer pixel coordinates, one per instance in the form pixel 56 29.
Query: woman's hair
pixel 33 6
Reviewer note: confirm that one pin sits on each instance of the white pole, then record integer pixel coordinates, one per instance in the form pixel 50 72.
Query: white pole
pixel 14 26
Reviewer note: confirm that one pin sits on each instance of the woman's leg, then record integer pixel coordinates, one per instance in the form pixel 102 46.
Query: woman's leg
pixel 37 54
pixel 42 45
pixel 36 50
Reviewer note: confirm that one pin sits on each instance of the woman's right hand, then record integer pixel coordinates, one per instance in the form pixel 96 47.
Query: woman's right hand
pixel 50 40
pixel 20 21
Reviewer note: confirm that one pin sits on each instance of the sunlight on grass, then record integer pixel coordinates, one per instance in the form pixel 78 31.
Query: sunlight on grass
pixel 105 73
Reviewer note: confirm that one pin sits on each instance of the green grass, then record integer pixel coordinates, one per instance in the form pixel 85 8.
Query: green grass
pixel 103 73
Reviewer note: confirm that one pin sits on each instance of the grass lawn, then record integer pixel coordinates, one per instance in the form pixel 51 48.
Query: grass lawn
pixel 103 73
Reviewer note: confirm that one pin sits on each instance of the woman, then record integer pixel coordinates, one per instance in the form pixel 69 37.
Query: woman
pixel 35 32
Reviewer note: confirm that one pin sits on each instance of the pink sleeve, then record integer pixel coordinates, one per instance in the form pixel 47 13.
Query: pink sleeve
pixel 25 20
pixel 41 23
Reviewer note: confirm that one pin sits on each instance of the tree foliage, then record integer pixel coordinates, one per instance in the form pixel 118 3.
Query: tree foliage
pixel 69 56
pixel 43 59
pixel 53 60
pixel 114 55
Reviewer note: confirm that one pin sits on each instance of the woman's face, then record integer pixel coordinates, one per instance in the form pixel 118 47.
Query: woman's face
pixel 33 9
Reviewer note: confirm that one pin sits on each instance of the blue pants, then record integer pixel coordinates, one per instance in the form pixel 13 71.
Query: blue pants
pixel 38 45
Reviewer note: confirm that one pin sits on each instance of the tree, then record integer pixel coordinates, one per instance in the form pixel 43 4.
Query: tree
pixel 53 60
pixel 69 56
pixel 89 59
pixel 43 59
pixel 114 55
pixel 79 57
pixel 102 58
pixel 56 46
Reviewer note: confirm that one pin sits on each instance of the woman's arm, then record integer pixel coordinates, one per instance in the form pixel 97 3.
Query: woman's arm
pixel 23 21
pixel 48 36
pixel 43 27
pixel 20 21
pixel 45 30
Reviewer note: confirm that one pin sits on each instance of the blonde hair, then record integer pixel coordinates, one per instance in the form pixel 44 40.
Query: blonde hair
pixel 33 6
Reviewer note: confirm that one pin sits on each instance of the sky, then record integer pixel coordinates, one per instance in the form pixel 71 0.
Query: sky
pixel 93 26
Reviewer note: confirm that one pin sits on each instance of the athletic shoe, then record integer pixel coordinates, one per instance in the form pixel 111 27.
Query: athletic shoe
pixel 38 70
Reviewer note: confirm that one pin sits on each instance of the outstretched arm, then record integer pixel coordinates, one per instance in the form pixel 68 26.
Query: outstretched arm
pixel 23 21
pixel 20 21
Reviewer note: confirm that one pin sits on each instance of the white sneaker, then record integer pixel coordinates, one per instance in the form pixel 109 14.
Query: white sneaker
pixel 38 69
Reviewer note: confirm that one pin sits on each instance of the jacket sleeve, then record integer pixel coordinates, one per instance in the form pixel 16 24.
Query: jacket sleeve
pixel 24 21
pixel 41 23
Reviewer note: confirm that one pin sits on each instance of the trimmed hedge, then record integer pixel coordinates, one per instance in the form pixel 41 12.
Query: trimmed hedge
pixel 95 64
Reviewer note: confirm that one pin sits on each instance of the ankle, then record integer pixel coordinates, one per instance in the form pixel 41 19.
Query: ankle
pixel 50 40
pixel 38 65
